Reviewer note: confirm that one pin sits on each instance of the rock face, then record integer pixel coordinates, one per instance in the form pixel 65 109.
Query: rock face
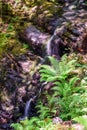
pixel 17 85
pixel 68 32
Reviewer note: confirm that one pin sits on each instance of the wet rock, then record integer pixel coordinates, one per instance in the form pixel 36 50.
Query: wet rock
pixel 68 14
pixel 78 127
pixel 55 47
pixel 76 32
pixel 35 38
pixel 52 25
pixel 70 33
pixel 72 7
pixel 5 126
pixel 5 116
pixel 20 94
pixel 45 14
pixel 57 120
pixel 26 65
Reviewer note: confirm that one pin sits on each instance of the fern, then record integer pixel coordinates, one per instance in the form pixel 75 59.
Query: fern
pixel 43 110
pixel 82 120
pixel 32 124
pixel 67 89
pixel 58 70
pixel 17 126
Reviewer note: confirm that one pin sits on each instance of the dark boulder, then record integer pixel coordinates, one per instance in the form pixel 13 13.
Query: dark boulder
pixel 35 38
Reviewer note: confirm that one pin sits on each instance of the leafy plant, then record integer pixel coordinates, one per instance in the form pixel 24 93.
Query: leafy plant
pixel 37 124
pixel 3 40
pixel 25 46
pixel 67 97
pixel 10 27
pixel 58 70
pixel 33 124
pixel 43 111
pixel 82 120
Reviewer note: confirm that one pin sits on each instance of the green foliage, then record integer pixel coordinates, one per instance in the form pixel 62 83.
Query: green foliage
pixel 3 40
pixel 44 112
pixel 47 109
pixel 68 91
pixel 82 120
pixel 10 27
pixel 37 124
pixel 58 70
pixel 9 42
pixel 86 2
pixel 33 124
pixel 25 46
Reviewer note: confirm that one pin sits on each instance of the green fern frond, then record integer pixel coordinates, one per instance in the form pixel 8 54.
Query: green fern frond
pixel 54 63
pixel 47 69
pixel 51 78
pixel 50 72
pixel 73 80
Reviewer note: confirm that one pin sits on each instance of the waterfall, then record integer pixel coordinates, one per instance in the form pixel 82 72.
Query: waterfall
pixel 27 108
pixel 48 47
pixel 53 46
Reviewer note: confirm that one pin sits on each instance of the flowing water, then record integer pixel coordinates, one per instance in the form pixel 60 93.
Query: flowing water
pixel 28 107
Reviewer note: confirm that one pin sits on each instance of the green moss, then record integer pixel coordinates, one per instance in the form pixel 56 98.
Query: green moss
pixel 51 7
pixel 44 10
pixel 9 42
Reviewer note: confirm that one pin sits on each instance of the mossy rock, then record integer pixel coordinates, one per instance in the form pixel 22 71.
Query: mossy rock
pixel 51 7
pixel 46 9
pixel 9 42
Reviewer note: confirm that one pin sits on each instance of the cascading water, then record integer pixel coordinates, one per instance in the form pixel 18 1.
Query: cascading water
pixel 53 46
pixel 27 107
